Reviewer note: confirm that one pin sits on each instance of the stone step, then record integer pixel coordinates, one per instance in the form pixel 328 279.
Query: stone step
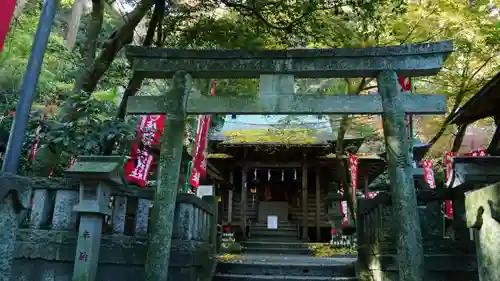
pixel 281 224
pixel 277 239
pixel 284 269
pixel 283 228
pixel 253 277
pixel 270 245
pixel 279 233
pixel 279 251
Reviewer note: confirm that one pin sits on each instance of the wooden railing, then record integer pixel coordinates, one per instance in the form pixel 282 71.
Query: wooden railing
pixel 124 242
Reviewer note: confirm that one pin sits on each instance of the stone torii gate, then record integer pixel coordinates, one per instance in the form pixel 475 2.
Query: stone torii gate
pixel 277 70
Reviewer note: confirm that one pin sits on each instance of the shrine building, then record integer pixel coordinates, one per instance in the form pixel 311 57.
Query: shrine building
pixel 260 168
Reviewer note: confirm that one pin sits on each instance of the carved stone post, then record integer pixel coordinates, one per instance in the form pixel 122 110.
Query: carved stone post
pixel 404 201
pixel 97 177
pixel 162 213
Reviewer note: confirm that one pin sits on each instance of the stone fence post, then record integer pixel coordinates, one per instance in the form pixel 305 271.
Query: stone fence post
pixel 212 201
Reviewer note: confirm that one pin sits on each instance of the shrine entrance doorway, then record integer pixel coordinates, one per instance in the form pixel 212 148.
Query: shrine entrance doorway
pixel 277 195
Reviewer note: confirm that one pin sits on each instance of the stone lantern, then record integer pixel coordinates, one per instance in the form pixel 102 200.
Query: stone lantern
pixel 332 204
pixel 99 177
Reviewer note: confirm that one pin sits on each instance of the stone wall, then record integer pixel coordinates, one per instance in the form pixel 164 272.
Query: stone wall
pixel 45 247
pixel 445 259
pixel 482 208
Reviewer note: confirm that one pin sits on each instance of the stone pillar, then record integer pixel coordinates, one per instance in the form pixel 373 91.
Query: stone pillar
pixel 41 208
pixel 142 217
pixel 64 217
pixel 8 227
pixel 404 201
pixel 318 205
pixel 119 214
pixel 230 199
pixel 483 215
pixel 212 201
pixel 305 214
pixel 162 213
pixel 459 224
pixel 244 204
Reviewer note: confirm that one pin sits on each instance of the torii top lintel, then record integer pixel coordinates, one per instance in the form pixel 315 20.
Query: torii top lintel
pixel 407 60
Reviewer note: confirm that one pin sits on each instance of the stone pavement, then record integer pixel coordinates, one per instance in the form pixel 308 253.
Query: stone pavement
pixel 260 267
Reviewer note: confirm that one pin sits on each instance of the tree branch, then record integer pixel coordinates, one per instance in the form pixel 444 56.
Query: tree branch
pixel 114 44
pixel 90 45
pixel 252 10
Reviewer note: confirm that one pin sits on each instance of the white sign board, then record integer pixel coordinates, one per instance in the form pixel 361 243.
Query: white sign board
pixel 272 222
pixel 205 190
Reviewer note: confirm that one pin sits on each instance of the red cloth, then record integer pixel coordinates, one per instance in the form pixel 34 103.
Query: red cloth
pixel 141 158
pixel 6 12
pixel 199 163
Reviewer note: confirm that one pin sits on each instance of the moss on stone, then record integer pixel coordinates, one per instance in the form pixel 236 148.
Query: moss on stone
pixel 328 250
pixel 281 136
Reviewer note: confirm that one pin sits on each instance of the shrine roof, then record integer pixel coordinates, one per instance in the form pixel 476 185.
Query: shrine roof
pixel 483 104
pixel 270 130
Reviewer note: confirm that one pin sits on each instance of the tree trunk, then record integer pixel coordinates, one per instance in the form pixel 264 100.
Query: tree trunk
pixel 459 138
pixel 74 24
pixel 93 70
pixel 345 123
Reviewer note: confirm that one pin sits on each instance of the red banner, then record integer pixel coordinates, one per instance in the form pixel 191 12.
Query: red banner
pixel 477 152
pixel 448 161
pixel 405 85
pixel 36 140
pixel 199 162
pixel 141 159
pixel 6 13
pixel 370 195
pixel 429 173
pixel 353 168
pixel 344 209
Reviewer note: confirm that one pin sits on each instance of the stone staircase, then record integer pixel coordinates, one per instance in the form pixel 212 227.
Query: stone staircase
pixel 262 267
pixel 283 240
pixel 278 254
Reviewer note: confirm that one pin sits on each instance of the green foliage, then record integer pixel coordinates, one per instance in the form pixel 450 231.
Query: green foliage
pixel 94 126
pixel 264 25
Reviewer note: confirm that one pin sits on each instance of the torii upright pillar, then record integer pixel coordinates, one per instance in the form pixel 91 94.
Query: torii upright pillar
pixel 404 201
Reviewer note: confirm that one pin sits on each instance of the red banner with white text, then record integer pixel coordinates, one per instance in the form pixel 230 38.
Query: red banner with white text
pixel 448 161
pixel 141 159
pixel 8 7
pixel 344 209
pixel 199 162
pixel 429 173
pixel 370 195
pixel 353 168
